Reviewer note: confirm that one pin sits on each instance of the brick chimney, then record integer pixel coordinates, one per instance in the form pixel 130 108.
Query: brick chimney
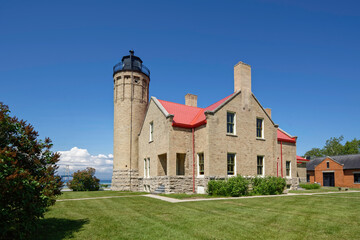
pixel 268 111
pixel 191 100
pixel 242 82
pixel 242 77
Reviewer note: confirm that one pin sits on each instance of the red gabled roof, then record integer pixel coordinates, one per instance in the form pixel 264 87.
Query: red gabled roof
pixel 301 160
pixel 284 137
pixel 192 117
pixel 188 116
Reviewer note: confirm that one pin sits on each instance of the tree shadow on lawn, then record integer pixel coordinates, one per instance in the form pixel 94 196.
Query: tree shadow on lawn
pixel 58 228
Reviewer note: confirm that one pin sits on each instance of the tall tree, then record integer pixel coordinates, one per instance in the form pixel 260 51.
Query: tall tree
pixel 28 184
pixel 352 147
pixel 334 147
pixel 314 152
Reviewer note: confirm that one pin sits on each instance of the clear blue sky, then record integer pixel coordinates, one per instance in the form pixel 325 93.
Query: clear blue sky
pixel 56 60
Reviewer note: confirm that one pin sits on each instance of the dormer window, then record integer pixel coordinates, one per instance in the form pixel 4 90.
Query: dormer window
pixel 230 122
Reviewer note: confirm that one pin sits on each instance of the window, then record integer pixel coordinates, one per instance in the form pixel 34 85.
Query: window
pixel 307 177
pixel 145 168
pixel 260 165
pixel 259 128
pixel 148 168
pixel 288 167
pixel 356 177
pixel 327 165
pixel 201 164
pixel 231 122
pixel 231 164
pixel 151 131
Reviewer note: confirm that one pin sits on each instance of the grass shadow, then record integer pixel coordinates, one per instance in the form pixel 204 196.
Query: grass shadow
pixel 58 228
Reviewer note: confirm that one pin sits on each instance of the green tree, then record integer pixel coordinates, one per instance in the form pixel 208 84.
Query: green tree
pixel 28 184
pixel 314 152
pixel 334 147
pixel 352 147
pixel 84 180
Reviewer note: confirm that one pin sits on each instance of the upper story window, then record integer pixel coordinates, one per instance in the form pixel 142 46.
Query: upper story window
pixel 327 165
pixel 231 164
pixel 259 127
pixel 230 122
pixel 260 165
pixel 201 164
pixel 288 168
pixel 151 131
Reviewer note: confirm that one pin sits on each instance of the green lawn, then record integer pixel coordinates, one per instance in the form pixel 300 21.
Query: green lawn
pixel 330 216
pixel 73 195
pixel 321 189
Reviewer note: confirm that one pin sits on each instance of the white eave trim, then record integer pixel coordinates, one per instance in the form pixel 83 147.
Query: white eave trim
pixel 161 107
pixel 264 110
pixel 287 133
pixel 223 104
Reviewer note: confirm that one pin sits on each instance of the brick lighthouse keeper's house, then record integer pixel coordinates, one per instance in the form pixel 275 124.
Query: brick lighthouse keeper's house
pixel 172 147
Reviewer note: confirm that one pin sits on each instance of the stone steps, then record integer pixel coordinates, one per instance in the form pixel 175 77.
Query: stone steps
pixel 160 189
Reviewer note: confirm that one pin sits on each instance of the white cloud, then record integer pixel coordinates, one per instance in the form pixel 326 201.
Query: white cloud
pixel 79 159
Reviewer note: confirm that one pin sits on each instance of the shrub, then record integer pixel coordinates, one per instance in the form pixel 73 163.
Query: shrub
pixel 84 181
pixel 218 188
pixel 28 185
pixel 268 185
pixel 238 186
pixel 235 187
pixel 309 186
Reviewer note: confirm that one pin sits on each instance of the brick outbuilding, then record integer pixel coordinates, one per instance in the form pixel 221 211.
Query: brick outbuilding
pixel 339 171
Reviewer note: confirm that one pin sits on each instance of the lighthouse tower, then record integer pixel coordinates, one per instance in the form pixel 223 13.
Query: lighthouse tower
pixel 131 96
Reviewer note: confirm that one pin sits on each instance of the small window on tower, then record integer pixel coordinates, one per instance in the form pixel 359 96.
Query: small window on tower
pixel 327 165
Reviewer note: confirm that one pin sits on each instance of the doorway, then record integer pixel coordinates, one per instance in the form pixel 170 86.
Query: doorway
pixel 328 180
pixel 180 163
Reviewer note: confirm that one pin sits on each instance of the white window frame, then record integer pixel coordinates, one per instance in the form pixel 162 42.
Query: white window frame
pixel 234 127
pixel 151 131
pixel 288 176
pixel 145 168
pixel 148 168
pixel 262 128
pixel 263 166
pixel 234 164
pixel 198 165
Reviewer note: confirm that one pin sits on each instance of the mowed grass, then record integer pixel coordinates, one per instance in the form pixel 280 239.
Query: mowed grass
pixel 321 189
pixel 92 194
pixel 330 216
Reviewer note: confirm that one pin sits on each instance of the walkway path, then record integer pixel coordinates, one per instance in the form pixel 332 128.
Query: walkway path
pixel 174 200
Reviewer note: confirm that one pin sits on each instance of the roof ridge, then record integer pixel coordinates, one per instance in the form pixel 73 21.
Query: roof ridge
pixel 181 104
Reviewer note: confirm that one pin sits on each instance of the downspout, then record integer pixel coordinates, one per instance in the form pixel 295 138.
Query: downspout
pixel 193 148
pixel 281 160
pixel 277 167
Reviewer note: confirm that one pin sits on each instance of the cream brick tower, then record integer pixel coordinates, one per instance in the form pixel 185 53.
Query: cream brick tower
pixel 131 96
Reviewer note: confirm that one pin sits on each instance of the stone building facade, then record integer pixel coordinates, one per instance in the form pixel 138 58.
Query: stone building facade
pixel 161 145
